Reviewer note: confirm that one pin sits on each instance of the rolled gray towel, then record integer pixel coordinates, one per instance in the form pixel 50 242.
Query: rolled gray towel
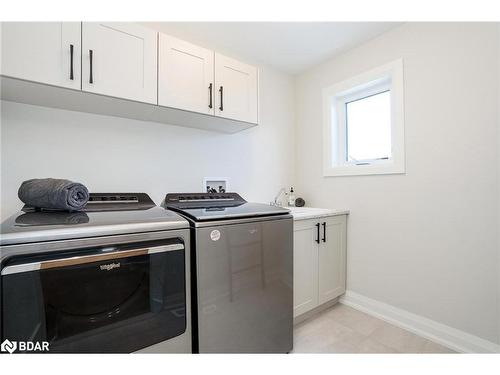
pixel 54 194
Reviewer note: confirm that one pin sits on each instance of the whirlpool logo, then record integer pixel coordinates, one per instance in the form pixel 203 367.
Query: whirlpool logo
pixel 24 346
pixel 109 267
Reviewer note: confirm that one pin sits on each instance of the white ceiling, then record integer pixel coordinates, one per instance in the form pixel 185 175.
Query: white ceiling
pixel 292 47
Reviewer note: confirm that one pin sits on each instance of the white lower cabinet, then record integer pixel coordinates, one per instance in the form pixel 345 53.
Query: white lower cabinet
pixel 319 265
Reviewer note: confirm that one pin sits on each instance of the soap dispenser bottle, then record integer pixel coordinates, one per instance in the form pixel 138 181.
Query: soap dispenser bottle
pixel 291 198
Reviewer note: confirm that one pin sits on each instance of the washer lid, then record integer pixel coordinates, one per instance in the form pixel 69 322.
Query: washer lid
pixel 244 210
pixel 40 226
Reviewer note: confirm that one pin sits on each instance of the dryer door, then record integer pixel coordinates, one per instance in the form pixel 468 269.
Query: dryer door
pixel 101 300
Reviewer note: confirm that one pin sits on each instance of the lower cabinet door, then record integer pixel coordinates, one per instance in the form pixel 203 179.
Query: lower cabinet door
pixel 305 266
pixel 332 258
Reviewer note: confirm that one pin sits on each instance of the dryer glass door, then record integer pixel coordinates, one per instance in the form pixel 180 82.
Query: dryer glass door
pixel 101 300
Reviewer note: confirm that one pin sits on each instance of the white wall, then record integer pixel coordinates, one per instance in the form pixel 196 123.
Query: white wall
pixel 498 122
pixel 113 154
pixel 425 242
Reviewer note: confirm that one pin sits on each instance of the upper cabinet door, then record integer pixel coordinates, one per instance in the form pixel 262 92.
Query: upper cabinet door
pixel 45 52
pixel 120 59
pixel 332 258
pixel 186 76
pixel 236 89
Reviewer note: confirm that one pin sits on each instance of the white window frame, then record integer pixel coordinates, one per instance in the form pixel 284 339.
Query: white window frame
pixel 386 77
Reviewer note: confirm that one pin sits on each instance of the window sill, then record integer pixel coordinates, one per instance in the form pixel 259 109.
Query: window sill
pixel 364 170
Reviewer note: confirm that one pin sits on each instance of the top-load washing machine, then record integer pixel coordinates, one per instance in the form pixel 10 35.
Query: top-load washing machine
pixel 242 273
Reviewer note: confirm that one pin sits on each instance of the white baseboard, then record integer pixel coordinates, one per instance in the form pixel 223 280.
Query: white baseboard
pixel 317 310
pixel 452 338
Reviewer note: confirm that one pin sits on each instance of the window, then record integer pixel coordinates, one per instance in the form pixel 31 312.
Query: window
pixel 363 125
pixel 368 123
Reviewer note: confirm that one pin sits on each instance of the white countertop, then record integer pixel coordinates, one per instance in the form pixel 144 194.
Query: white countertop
pixel 303 213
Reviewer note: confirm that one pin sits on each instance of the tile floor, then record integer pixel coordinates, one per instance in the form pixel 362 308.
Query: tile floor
pixel 342 329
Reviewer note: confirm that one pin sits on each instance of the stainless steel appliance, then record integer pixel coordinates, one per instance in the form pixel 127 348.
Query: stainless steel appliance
pixel 112 279
pixel 242 273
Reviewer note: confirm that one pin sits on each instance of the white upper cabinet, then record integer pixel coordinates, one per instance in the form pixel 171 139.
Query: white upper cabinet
pixel 123 62
pixel 186 76
pixel 236 89
pixel 120 59
pixel 45 52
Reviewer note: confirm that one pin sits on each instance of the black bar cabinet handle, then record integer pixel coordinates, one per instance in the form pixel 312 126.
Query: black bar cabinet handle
pixel 317 228
pixel 91 78
pixel 221 90
pixel 71 76
pixel 210 91
pixel 324 232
